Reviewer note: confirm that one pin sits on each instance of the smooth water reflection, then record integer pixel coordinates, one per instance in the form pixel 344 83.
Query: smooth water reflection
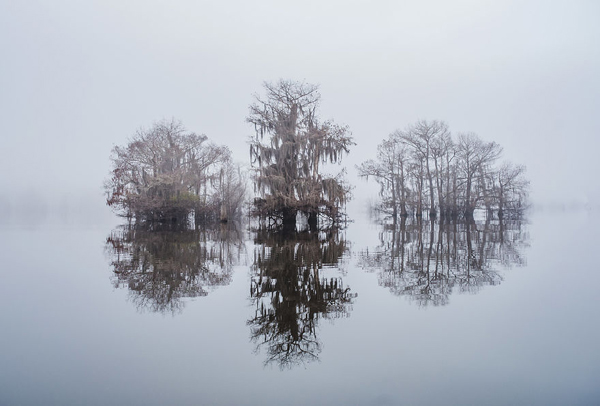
pixel 294 285
pixel 295 278
pixel 428 261
pixel 163 267
pixel 226 316
pixel 294 282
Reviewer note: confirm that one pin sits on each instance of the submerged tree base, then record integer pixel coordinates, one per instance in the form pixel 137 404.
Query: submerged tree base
pixel 447 214
pixel 294 222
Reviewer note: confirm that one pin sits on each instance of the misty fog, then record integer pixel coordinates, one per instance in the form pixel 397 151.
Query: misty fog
pixel 78 78
pixel 441 289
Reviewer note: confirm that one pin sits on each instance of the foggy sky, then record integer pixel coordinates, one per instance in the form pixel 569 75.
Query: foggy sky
pixel 77 78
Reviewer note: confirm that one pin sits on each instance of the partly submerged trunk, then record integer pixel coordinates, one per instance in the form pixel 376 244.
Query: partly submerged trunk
pixel 289 219
pixel 312 219
pixel 501 203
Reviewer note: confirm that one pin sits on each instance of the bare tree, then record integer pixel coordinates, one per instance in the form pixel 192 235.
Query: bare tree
pixel 475 156
pixel 511 188
pixel 390 170
pixel 422 166
pixel 287 151
pixel 443 153
pixel 423 138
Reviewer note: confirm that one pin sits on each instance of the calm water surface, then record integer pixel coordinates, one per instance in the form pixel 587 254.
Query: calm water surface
pixel 405 314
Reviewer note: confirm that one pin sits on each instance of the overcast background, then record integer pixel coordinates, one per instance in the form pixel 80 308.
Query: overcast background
pixel 78 77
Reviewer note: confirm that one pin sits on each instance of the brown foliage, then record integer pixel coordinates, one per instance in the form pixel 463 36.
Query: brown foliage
pixel 165 173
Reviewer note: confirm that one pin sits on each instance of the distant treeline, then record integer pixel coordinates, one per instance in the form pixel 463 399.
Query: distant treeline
pixel 424 169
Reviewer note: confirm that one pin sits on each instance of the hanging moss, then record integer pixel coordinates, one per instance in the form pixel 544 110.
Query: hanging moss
pixel 287 166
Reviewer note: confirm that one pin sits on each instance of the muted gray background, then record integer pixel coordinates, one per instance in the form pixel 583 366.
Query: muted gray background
pixel 78 77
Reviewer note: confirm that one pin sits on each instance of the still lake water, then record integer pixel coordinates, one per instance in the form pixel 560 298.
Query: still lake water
pixel 413 315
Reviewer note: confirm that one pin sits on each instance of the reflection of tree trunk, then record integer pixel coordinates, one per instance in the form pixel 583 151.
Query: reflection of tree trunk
pixel 460 256
pixel 420 247
pixel 450 248
pixel 455 247
pixel 469 249
pixel 430 250
pixel 394 249
pixel 486 228
pixel 402 241
pixel 439 249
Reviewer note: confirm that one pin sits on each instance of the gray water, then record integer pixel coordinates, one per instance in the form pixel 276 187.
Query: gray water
pixel 412 314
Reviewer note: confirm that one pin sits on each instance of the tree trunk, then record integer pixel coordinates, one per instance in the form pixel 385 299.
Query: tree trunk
pixel 289 219
pixel 312 220
pixel 501 204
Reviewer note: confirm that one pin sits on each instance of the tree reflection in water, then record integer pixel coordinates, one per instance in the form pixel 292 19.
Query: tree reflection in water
pixel 291 292
pixel 164 266
pixel 428 261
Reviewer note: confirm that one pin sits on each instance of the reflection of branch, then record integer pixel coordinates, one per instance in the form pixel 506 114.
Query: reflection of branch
pixel 162 268
pixel 291 294
pixel 289 341
pixel 460 256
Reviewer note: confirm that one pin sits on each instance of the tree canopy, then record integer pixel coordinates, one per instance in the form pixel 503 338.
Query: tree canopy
pixel 288 151
pixel 422 168
pixel 166 173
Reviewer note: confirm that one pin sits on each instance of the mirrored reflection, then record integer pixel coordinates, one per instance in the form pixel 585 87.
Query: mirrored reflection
pixel 427 261
pixel 163 266
pixel 295 282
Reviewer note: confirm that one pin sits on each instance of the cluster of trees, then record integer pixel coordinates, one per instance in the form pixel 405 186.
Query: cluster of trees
pixel 424 169
pixel 166 173
pixel 427 261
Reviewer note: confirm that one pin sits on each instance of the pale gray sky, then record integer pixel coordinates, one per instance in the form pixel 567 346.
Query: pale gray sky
pixel 78 77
